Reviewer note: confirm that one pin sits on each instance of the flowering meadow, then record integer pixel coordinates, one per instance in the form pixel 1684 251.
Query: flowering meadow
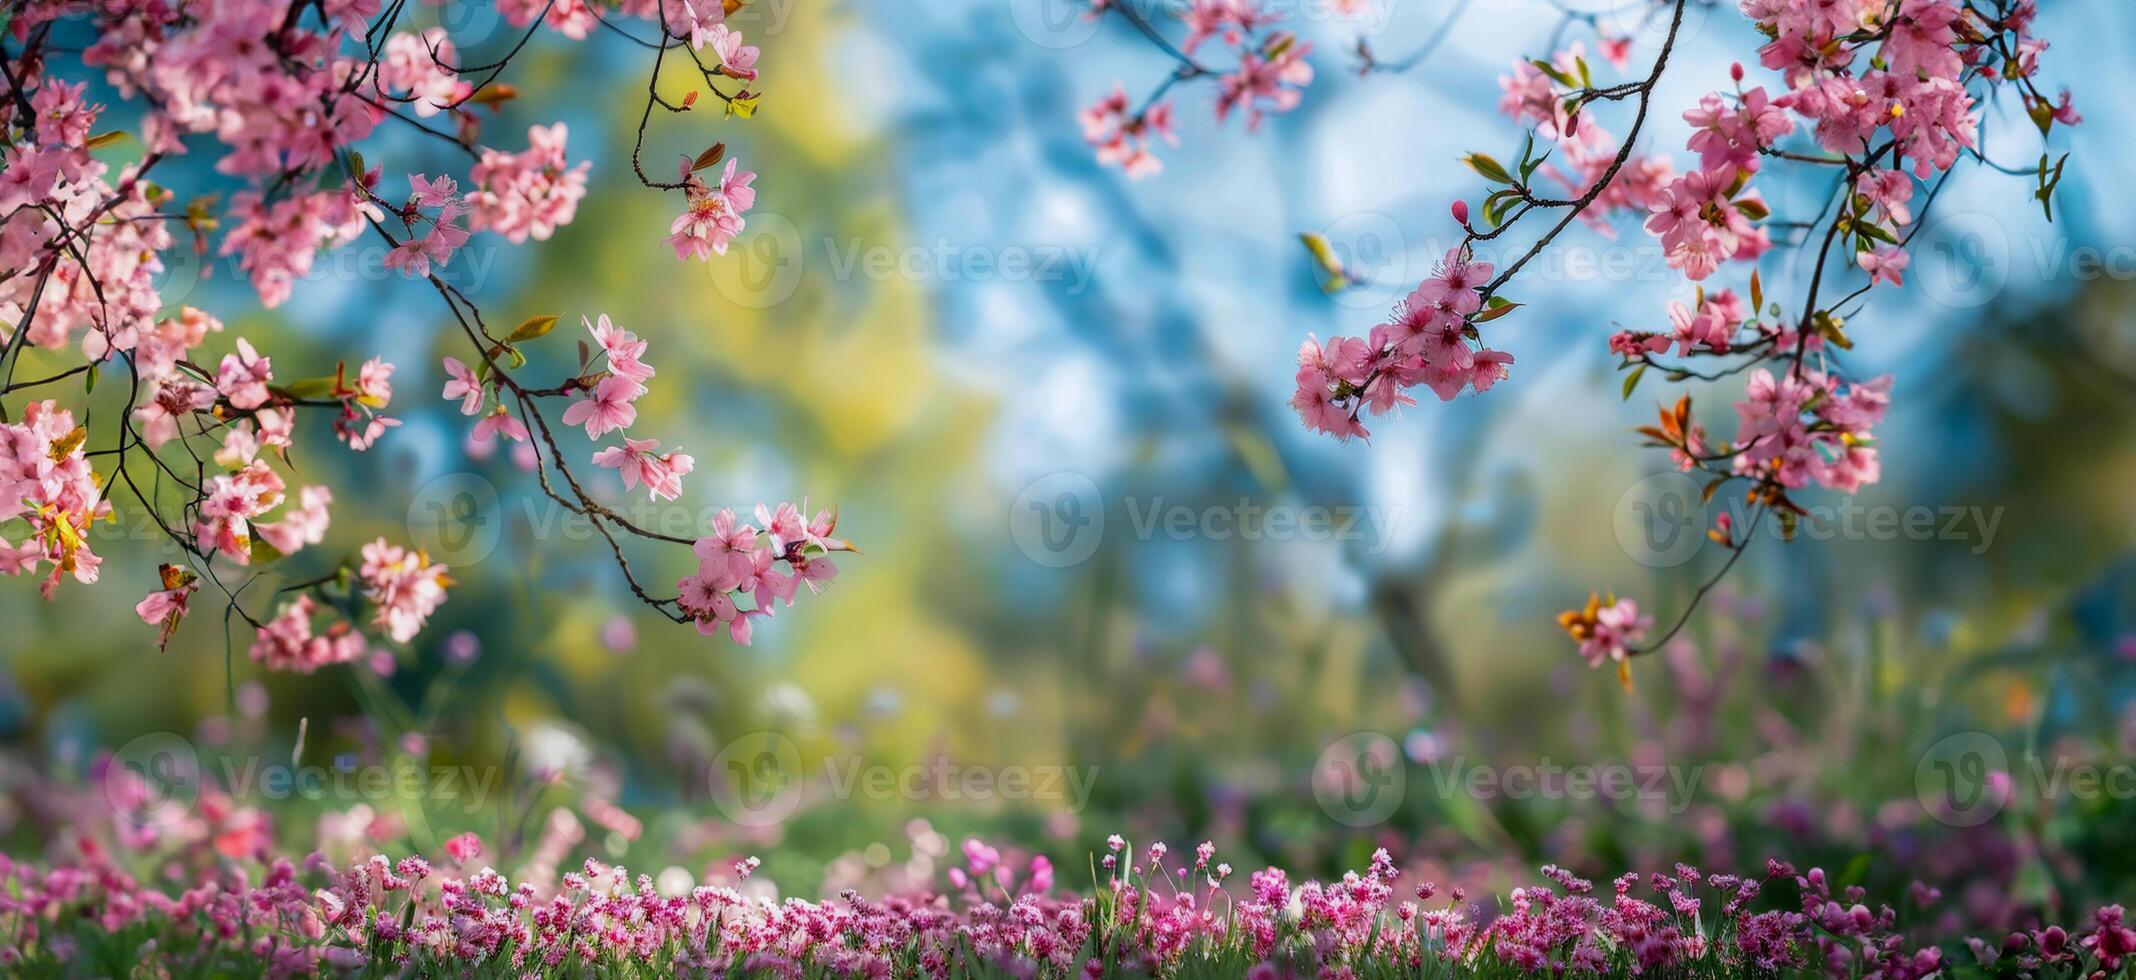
pixel 760 488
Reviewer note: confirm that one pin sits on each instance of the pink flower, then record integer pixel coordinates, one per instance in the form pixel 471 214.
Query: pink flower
pixel 1606 631
pixel 404 586
pixel 622 348
pixel 287 641
pixel 1884 263
pixel 228 506
pixel 243 377
pixel 414 256
pixel 464 848
pixel 736 60
pixel 1270 81
pixel 636 460
pixel 440 193
pixel 607 409
pixel 303 525
pixel 461 383
pixel 1123 138
pixel 765 583
pixel 727 555
pixel 784 525
pixel 816 573
pixel 527 194
pixel 410 73
pixel 714 216
pixel 499 422
pixel 713 609
pixel 1488 369
pixel 165 609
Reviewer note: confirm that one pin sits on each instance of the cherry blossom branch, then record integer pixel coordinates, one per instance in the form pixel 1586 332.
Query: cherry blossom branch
pixel 1269 76
pixel 1906 116
pixel 79 255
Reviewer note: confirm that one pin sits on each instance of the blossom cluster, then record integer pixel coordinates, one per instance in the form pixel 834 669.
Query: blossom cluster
pixel 1886 93
pixel 737 559
pixel 1429 341
pixel 282 99
pixel 250 913
pixel 47 485
pixel 1269 75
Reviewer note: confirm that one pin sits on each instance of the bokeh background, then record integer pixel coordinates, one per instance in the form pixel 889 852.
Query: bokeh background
pixel 1008 442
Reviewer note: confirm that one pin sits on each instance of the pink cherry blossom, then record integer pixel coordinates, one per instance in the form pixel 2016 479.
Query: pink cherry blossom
pixel 461 383
pixel 638 463
pixel 714 216
pixel 607 409
pixel 243 377
pixel 403 585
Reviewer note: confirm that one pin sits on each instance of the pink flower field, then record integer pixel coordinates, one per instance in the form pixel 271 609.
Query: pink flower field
pixel 1260 489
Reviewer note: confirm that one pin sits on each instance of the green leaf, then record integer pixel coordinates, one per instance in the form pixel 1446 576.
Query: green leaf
pixel 310 387
pixel 1496 311
pixel 1631 381
pixel 1527 170
pixel 743 105
pixel 1753 208
pixel 1323 254
pixel 1494 207
pixel 1556 74
pixel 1488 168
pixel 531 328
pixel 507 352
pixel 262 552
